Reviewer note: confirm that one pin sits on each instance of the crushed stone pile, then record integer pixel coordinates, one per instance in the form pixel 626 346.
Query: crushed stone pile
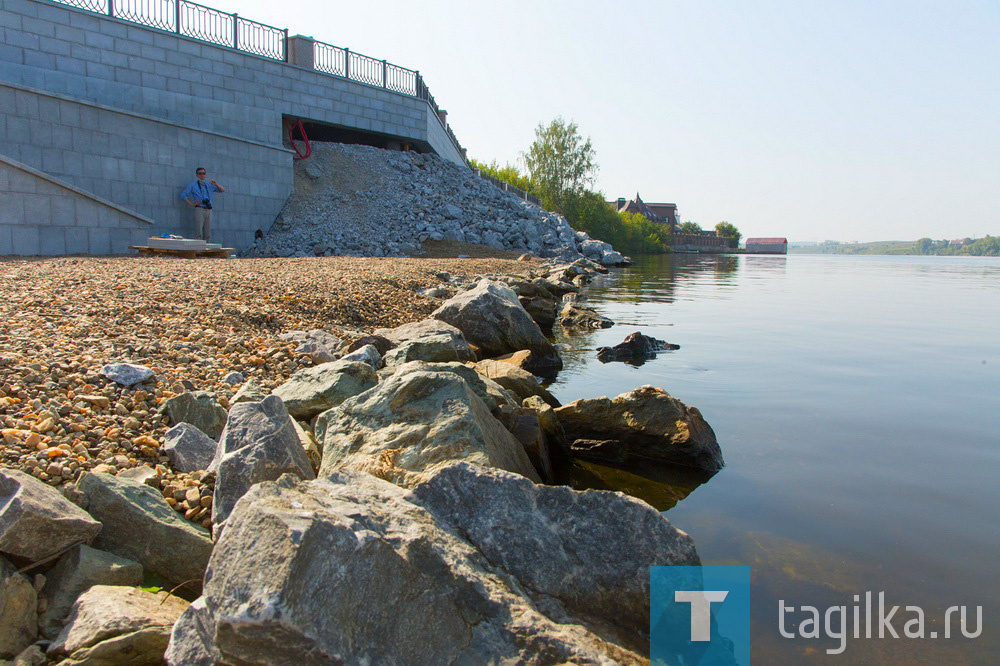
pixel 352 200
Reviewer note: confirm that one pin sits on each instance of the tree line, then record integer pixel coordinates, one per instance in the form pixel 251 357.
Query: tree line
pixel 560 167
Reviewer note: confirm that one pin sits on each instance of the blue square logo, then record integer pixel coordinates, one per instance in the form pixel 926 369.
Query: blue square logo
pixel 699 616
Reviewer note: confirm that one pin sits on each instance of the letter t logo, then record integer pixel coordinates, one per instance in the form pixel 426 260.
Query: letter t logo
pixel 701 610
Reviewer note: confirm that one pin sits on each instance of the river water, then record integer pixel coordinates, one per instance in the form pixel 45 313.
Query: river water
pixel 857 403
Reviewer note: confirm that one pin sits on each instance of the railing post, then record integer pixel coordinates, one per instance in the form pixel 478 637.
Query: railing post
pixel 385 74
pixel 347 63
pixel 285 46
pixel 177 16
pixel 236 31
pixel 111 7
pixel 301 50
pixel 418 86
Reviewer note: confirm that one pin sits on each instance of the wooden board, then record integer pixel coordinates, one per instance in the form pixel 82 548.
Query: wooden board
pixel 222 252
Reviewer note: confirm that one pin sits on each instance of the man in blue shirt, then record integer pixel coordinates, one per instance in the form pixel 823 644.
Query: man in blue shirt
pixel 198 195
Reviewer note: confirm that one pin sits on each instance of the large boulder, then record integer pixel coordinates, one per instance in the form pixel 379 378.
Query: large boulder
pixel 413 424
pixel 36 520
pixel 521 382
pixel 491 393
pixel 75 573
pixel 250 392
pixel 118 625
pixel 188 448
pixel 351 569
pixel 127 374
pixel 141 526
pixel 18 611
pixel 646 423
pixel 491 318
pixel 260 443
pixel 200 409
pixel 311 391
pixel 574 315
pixel 365 354
pixel 441 348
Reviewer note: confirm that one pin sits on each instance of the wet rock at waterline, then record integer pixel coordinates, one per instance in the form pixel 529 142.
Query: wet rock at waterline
pixel 646 423
pixel 635 347
pixel 477 564
pixel 491 318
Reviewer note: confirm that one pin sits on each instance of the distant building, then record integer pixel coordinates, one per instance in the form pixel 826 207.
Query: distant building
pixel 767 246
pixel 959 242
pixel 664 213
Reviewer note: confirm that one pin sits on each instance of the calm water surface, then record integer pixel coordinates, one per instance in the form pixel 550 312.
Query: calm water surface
pixel 857 402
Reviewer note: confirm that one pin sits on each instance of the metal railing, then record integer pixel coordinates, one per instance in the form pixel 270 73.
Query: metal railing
pixel 507 187
pixel 210 25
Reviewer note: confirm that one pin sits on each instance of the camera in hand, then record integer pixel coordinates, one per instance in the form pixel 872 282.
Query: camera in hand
pixel 206 203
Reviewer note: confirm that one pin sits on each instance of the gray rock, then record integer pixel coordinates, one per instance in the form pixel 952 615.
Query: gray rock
pixel 411 586
pixel 36 520
pixel 259 444
pixel 118 625
pixel 492 394
pixel 411 425
pixel 646 423
pixel 234 378
pixel 30 656
pixel 313 390
pixel 441 348
pixel 491 318
pixel 200 409
pixel 589 550
pixel 75 573
pixel 188 448
pixel 18 611
pixel 636 347
pixel 574 315
pixel 141 526
pixel 250 392
pixel 127 374
pixel 319 345
pixel 418 329
pixel 366 354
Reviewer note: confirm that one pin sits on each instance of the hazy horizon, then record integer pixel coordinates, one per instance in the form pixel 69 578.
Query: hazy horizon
pixel 860 120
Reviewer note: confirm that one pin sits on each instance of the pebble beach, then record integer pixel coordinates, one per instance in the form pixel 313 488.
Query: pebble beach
pixel 193 322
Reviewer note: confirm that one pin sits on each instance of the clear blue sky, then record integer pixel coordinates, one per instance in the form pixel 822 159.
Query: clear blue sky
pixel 862 120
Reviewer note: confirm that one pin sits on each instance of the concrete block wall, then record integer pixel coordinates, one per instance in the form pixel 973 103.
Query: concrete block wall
pixel 125 113
pixel 112 62
pixel 77 222
pixel 142 163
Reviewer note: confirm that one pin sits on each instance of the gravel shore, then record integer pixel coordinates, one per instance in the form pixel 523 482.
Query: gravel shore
pixel 192 322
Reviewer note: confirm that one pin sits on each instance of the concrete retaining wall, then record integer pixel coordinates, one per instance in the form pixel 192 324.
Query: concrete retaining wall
pixel 126 113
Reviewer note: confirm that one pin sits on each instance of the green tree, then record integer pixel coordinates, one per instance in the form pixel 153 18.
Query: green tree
pixel 560 163
pixel 728 230
pixel 508 173
pixel 689 227
pixel 923 246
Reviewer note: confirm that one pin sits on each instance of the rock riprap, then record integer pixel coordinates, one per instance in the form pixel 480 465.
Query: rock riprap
pixel 18 611
pixel 358 200
pixel 141 526
pixel 395 578
pixel 259 444
pixel 188 448
pixel 317 389
pixel 414 423
pixel 491 318
pixel 646 423
pixel 77 571
pixel 199 408
pixel 111 624
pixel 36 521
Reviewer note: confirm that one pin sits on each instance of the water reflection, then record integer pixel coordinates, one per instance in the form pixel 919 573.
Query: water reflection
pixel 660 486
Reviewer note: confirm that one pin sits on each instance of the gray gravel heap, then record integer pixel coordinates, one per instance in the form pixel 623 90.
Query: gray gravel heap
pixel 351 200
